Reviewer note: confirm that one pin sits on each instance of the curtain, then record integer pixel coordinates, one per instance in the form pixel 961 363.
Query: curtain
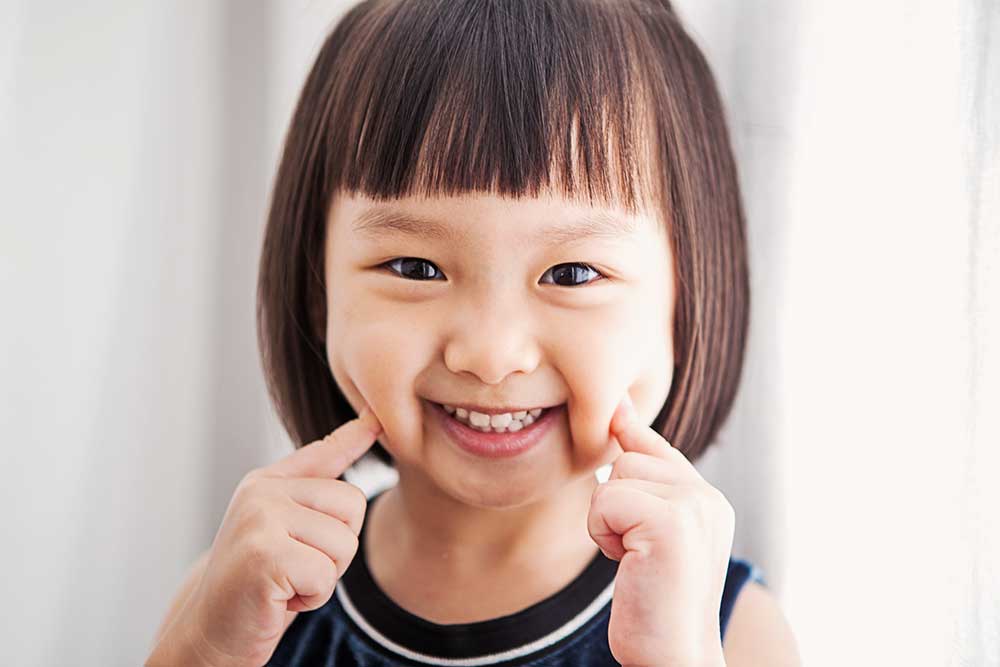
pixel 137 146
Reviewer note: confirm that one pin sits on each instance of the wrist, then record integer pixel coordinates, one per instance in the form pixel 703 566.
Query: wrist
pixel 707 656
pixel 700 661
pixel 707 660
pixel 185 645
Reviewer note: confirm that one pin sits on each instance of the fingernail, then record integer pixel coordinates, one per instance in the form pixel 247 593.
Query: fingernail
pixel 625 414
pixel 366 415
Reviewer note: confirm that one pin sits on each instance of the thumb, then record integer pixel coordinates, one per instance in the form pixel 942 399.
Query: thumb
pixel 333 454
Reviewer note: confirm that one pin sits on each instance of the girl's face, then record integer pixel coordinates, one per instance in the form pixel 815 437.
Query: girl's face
pixel 498 302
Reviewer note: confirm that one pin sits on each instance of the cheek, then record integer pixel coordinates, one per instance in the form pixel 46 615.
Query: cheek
pixel 599 355
pixel 375 360
pixel 630 350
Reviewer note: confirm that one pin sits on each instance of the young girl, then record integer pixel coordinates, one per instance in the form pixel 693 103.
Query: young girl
pixel 508 234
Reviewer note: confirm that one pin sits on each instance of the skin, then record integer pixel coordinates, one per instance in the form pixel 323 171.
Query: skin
pixel 394 340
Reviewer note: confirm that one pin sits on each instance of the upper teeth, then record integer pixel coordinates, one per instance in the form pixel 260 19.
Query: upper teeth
pixel 507 421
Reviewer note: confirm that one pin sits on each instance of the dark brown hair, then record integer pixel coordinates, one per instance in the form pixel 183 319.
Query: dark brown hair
pixel 606 101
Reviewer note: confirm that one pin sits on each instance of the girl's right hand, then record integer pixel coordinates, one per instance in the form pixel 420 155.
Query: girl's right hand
pixel 289 533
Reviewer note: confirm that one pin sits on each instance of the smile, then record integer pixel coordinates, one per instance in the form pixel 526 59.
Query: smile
pixel 506 422
pixel 485 440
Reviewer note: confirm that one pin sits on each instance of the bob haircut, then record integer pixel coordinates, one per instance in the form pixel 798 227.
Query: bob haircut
pixel 600 101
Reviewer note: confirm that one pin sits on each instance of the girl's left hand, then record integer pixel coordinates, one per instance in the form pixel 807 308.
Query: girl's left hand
pixel 672 533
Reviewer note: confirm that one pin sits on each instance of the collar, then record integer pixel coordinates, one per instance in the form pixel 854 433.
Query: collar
pixel 539 626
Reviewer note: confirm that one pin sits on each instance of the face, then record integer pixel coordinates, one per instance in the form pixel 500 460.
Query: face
pixel 507 304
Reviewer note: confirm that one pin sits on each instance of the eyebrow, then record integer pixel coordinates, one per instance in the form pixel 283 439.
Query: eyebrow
pixel 381 222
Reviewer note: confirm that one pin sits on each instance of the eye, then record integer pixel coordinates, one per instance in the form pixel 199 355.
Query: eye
pixel 413 268
pixel 571 272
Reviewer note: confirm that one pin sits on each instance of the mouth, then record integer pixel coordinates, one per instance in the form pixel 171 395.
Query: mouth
pixel 494 422
pixel 495 436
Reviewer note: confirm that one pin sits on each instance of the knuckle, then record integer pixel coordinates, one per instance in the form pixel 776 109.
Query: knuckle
pixel 254 475
pixel 601 492
pixel 331 573
pixel 251 484
pixel 254 515
pixel 315 589
pixel 258 553
pixel 713 500
pixel 355 505
pixel 263 570
pixel 723 500
pixel 360 499
pixel 726 507
pixel 352 544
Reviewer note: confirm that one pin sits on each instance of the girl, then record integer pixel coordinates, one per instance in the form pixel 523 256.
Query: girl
pixel 508 235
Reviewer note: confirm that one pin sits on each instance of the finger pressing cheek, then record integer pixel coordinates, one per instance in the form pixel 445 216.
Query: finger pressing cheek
pixel 635 436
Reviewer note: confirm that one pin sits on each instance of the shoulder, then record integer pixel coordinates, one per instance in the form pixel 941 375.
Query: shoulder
pixel 758 633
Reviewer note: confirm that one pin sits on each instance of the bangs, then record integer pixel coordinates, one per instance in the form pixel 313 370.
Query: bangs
pixel 606 102
pixel 509 97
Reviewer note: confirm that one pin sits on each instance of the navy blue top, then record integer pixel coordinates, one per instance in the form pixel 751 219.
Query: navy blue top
pixel 360 626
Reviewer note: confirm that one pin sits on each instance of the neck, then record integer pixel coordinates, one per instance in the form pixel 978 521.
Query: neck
pixel 430 527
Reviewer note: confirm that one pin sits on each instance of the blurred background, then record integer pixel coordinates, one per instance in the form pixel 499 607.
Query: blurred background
pixel 138 141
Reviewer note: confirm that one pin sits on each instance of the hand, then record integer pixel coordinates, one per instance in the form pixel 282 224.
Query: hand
pixel 672 533
pixel 289 533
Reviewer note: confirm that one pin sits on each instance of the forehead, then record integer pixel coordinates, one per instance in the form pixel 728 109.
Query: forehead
pixel 549 219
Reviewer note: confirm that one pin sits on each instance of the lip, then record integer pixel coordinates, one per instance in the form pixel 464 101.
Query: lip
pixel 495 445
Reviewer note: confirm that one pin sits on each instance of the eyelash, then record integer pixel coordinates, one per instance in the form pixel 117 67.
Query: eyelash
pixel 600 275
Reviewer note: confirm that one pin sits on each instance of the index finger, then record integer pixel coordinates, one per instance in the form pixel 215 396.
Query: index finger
pixel 635 436
pixel 332 455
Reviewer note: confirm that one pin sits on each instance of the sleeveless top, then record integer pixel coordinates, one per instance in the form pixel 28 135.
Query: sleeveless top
pixel 360 626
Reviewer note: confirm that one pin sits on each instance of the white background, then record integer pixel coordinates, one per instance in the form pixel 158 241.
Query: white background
pixel 137 146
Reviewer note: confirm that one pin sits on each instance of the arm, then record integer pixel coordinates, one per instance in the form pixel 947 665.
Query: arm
pixel 758 633
pixel 181 598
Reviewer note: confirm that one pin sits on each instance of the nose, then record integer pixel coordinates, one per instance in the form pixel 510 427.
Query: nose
pixel 492 339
